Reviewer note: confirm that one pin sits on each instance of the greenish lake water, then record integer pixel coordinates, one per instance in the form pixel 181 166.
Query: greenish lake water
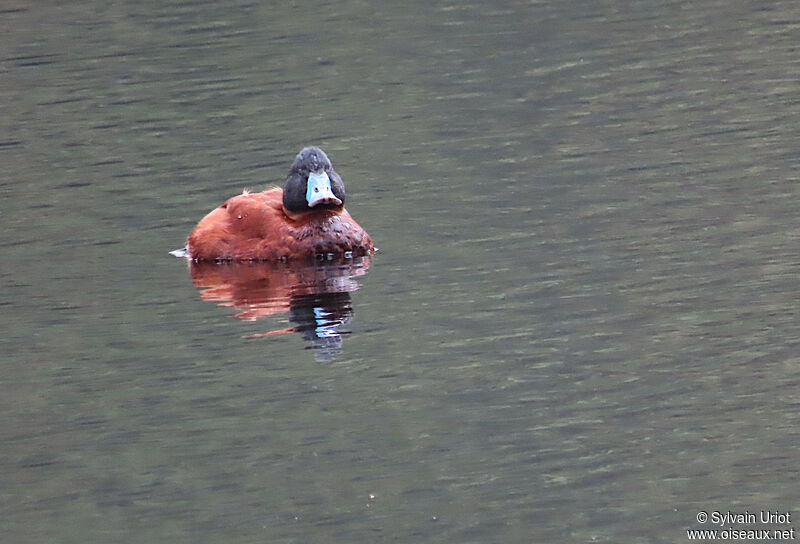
pixel 583 324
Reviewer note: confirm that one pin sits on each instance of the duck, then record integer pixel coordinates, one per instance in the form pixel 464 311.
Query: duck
pixel 304 219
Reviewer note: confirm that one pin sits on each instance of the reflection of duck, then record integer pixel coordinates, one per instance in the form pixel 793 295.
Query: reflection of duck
pixel 305 218
pixel 317 296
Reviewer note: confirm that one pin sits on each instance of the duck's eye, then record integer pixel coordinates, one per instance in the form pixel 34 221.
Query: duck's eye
pixel 316 189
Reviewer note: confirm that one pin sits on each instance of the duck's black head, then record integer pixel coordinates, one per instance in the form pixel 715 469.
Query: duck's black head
pixel 312 184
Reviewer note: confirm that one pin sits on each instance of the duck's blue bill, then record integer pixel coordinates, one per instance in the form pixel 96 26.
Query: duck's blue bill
pixel 319 190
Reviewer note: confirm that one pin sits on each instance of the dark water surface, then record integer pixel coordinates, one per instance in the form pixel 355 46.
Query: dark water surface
pixel 583 324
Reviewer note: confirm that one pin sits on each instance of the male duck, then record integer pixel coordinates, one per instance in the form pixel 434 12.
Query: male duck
pixel 304 219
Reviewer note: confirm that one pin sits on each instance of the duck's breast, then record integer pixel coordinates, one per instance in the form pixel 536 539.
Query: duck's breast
pixel 334 232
